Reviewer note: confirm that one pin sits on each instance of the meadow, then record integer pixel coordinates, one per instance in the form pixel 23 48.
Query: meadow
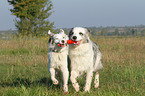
pixel 24 68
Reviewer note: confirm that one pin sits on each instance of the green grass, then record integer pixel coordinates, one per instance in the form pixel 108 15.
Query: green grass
pixel 24 68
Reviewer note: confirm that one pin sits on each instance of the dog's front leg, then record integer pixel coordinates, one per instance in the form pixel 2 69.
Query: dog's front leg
pixel 65 79
pixel 52 72
pixel 88 81
pixel 73 77
pixel 96 81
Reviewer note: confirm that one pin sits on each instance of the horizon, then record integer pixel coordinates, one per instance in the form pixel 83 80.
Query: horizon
pixel 133 26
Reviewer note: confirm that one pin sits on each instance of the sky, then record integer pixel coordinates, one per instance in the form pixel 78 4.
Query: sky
pixel 86 13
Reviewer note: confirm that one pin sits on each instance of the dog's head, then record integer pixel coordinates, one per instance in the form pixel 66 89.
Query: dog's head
pixel 57 41
pixel 79 35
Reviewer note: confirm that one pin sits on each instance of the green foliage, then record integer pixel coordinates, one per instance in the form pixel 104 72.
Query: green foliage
pixel 104 32
pixel 118 31
pixel 143 32
pixel 32 16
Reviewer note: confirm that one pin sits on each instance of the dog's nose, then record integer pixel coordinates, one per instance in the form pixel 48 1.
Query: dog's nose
pixel 74 37
pixel 62 41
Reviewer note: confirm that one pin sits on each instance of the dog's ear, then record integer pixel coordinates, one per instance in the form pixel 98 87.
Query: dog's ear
pixel 50 33
pixel 61 31
pixel 66 36
pixel 51 40
pixel 88 31
pixel 70 33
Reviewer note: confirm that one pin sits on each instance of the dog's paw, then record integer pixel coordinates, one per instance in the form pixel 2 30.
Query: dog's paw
pixel 66 93
pixel 65 88
pixel 76 86
pixel 87 89
pixel 96 85
pixel 55 82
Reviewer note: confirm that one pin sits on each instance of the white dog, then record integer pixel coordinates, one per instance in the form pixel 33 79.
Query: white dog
pixel 85 58
pixel 58 54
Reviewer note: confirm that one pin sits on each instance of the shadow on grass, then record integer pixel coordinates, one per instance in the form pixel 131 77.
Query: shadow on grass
pixel 18 82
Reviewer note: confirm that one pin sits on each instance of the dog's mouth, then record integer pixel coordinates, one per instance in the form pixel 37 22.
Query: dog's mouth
pixel 61 45
pixel 74 42
pixel 78 42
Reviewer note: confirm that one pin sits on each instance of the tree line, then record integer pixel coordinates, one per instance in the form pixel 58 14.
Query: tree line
pixel 118 31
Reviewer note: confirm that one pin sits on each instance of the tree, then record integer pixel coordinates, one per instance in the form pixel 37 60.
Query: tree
pixel 143 32
pixel 32 16
pixel 104 32
pixel 116 32
pixel 134 32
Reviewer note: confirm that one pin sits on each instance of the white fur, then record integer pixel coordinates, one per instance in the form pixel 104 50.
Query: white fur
pixel 77 31
pixel 58 63
pixel 81 56
pixel 50 33
pixel 82 60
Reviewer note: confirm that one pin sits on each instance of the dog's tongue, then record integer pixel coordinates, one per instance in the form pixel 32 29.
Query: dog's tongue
pixel 79 42
pixel 60 45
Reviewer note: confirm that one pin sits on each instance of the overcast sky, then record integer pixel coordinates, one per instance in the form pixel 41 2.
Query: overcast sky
pixel 86 13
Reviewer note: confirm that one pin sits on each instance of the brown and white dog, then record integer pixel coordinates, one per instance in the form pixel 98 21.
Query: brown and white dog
pixel 85 58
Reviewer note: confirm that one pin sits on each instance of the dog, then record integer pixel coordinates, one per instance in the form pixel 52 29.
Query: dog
pixel 57 56
pixel 85 57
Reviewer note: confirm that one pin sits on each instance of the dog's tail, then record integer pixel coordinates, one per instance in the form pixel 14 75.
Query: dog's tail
pixel 97 57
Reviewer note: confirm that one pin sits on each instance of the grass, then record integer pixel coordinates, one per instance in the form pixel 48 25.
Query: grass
pixel 24 68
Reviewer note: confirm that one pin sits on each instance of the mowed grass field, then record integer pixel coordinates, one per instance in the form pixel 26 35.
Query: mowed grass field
pixel 24 68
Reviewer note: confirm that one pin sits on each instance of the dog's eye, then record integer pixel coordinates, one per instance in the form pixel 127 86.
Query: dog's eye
pixel 72 32
pixel 81 33
pixel 63 37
